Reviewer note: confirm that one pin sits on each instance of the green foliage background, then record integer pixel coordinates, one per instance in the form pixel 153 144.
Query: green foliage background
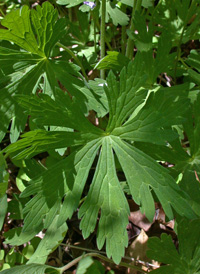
pixel 145 108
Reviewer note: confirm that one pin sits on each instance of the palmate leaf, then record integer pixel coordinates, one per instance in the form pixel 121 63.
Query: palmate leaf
pixel 65 179
pixel 186 161
pixel 152 122
pixel 58 190
pixel 147 175
pixel 32 62
pixel 187 260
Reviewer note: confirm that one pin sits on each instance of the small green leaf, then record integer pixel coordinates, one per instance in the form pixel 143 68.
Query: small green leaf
pixel 113 60
pixel 117 16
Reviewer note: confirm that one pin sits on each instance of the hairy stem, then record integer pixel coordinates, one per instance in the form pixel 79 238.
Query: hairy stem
pixel 123 36
pixel 102 41
pixel 106 39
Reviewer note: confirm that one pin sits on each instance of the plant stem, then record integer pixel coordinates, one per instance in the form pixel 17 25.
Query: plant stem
pixel 123 36
pixel 106 39
pixel 130 45
pixel 102 33
pixel 75 58
pixel 75 261
pixel 70 14
pixel 95 38
pixel 2 13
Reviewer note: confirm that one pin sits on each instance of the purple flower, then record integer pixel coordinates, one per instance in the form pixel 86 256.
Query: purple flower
pixel 92 5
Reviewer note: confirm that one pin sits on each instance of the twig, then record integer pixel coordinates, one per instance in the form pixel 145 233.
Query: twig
pixel 103 252
pixel 75 261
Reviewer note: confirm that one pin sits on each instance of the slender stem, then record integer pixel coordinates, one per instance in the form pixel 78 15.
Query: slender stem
pixel 75 58
pixel 104 253
pixel 95 37
pixel 75 261
pixel 70 14
pixel 2 13
pixel 123 36
pixel 184 64
pixel 102 32
pixel 106 39
pixel 130 45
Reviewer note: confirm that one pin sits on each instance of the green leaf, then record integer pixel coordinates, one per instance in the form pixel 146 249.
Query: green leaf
pixel 155 65
pixel 194 61
pixel 3 206
pixel 46 111
pixel 145 3
pixel 134 112
pixel 4 176
pixel 33 65
pixel 144 34
pixel 143 175
pixel 69 3
pixel 61 111
pixel 117 16
pixel 49 190
pixel 96 267
pixel 194 75
pixel 113 60
pixel 31 269
pixel 125 96
pixel 161 110
pixel 15 236
pixel 84 264
pixel 19 30
pixel 96 97
pixel 176 20
pixel 184 261
pixel 53 237
pixel 106 194
pixel 185 161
